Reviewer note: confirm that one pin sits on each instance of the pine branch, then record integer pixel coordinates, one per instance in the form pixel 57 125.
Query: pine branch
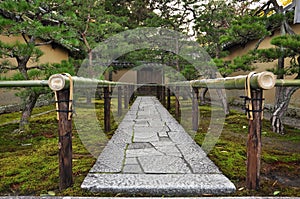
pixel 259 42
pixel 8 67
pixel 36 67
pixel 24 37
pixel 44 43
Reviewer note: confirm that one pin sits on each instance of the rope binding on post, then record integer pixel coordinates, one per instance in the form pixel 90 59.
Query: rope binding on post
pixel 248 100
pixel 70 105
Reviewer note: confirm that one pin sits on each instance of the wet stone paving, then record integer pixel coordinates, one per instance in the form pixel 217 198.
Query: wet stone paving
pixel 150 153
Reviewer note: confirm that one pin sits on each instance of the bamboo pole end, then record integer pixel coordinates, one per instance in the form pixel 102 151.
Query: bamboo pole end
pixel 266 80
pixel 57 82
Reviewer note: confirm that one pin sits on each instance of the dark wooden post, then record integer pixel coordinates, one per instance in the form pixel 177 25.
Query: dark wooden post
pixel 106 109
pixel 177 105
pixel 168 98
pixel 126 97
pixel 158 92
pixel 254 140
pixel 119 100
pixel 131 93
pixel 64 139
pixel 195 110
pixel 197 93
pixel 163 95
pixel 128 93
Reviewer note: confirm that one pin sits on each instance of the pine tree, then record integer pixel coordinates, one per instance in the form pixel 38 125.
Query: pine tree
pixel 272 16
pixel 73 25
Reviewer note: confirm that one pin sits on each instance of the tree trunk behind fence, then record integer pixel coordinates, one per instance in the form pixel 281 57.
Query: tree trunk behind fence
pixel 223 98
pixel 283 96
pixel 26 113
pixel 202 96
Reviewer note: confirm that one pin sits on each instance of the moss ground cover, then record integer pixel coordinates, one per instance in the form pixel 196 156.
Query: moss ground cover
pixel 280 155
pixel 29 160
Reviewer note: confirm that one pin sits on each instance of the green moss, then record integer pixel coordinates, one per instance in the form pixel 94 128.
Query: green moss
pixel 29 160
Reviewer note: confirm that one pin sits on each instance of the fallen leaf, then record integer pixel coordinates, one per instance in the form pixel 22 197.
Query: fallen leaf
pixel 276 193
pixel 51 193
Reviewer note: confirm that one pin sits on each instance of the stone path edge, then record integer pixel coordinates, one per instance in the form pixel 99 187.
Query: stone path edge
pixel 76 197
pixel 162 184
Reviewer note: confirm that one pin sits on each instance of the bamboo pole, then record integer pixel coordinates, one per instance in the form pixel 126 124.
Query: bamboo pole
pixel 60 81
pixel 263 80
pixel 287 82
pixel 24 83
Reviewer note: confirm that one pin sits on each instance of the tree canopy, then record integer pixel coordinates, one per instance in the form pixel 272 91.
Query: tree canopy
pixel 78 26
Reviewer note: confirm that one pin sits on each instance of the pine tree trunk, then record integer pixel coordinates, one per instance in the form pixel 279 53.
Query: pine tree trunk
pixel 222 95
pixel 202 96
pixel 283 96
pixel 26 113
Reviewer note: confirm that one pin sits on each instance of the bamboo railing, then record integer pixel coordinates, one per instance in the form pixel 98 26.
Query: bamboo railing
pixel 62 84
pixel 24 83
pixel 262 80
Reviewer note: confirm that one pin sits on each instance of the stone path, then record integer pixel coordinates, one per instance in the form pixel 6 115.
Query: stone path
pixel 150 153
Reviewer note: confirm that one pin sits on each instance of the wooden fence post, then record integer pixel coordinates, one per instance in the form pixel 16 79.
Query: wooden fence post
pixel 168 98
pixel 254 140
pixel 158 92
pixel 163 95
pixel 195 109
pixel 106 109
pixel 177 105
pixel 131 93
pixel 197 93
pixel 128 94
pixel 64 139
pixel 119 100
pixel 126 97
